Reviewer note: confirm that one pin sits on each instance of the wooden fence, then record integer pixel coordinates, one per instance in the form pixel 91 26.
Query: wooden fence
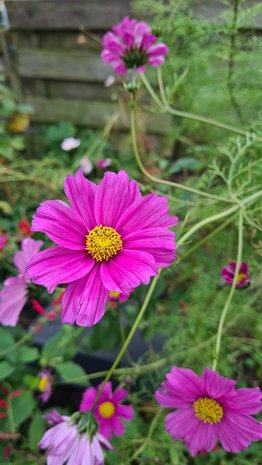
pixel 55 53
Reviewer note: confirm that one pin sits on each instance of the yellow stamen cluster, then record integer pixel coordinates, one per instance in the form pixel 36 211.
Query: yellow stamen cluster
pixel 43 384
pixel 208 410
pixel 103 243
pixel 240 277
pixel 107 409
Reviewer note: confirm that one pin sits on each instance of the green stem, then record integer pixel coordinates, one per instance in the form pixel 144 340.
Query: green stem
pixel 162 181
pixel 129 337
pixel 148 437
pixel 231 293
pixel 164 106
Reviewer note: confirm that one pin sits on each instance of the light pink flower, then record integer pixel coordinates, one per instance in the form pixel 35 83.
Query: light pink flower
pixel 109 239
pixel 65 444
pixel 86 165
pixel 103 164
pixel 131 45
pixel 209 409
pixel 13 295
pixel 228 272
pixel 3 241
pixel 70 143
pixel 45 385
pixel 109 409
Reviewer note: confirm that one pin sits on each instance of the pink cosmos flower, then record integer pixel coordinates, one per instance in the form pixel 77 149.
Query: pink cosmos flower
pixel 131 45
pixel 228 272
pixel 13 295
pixel 3 241
pixel 109 409
pixel 109 239
pixel 70 143
pixel 66 445
pixel 45 385
pixel 103 164
pixel 209 409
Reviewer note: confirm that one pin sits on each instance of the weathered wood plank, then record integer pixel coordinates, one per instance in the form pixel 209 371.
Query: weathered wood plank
pixel 92 114
pixel 68 89
pixel 79 66
pixel 66 14
pixel 97 14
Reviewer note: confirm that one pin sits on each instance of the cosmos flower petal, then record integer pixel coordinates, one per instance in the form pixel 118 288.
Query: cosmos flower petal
pixel 29 247
pixel 120 394
pixel 117 191
pixel 13 297
pixel 105 428
pixel 238 431
pixel 58 265
pixel 147 212
pixel 125 411
pixel 180 423
pixel 128 269
pixel 204 437
pixel 149 241
pixel 88 399
pixel 84 300
pixel 81 193
pixel 248 401
pixel 117 426
pixel 214 385
pixel 61 224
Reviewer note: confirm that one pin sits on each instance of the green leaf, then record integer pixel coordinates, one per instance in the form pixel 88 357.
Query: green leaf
pixel 6 207
pixel 27 354
pixel 36 430
pixel 6 340
pixel 187 163
pixel 70 370
pixel 23 407
pixel 6 369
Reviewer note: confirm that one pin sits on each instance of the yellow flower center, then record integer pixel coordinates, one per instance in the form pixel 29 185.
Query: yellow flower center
pixel 208 410
pixel 103 243
pixel 240 277
pixel 42 384
pixel 106 409
pixel 114 294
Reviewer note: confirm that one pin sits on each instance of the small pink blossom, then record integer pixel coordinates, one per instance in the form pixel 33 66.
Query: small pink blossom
pixel 109 238
pixel 3 241
pixel 131 45
pixel 208 408
pixel 13 295
pixel 86 165
pixel 103 164
pixel 70 144
pixel 228 272
pixel 109 409
pixel 45 385
pixel 65 444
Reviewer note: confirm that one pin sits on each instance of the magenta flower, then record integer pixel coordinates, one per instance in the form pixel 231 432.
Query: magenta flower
pixel 13 295
pixel 209 409
pixel 228 272
pixel 3 241
pixel 115 296
pixel 45 385
pixel 66 445
pixel 131 45
pixel 109 239
pixel 109 409
pixel 103 164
